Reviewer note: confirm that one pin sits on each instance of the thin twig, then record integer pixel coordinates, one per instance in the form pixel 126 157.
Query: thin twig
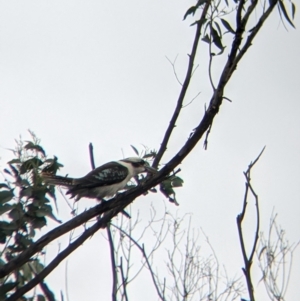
pixel 66 281
pixel 120 202
pixel 174 70
pixel 255 30
pixel 146 257
pixel 113 263
pixel 124 280
pixel 184 106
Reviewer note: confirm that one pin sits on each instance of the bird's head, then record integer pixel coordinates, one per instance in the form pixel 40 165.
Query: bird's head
pixel 139 165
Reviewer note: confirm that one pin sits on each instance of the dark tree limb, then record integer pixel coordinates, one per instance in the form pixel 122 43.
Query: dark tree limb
pixel 110 239
pixel 184 88
pixel 248 260
pixel 55 262
pixel 117 204
pixel 255 29
pixel 48 293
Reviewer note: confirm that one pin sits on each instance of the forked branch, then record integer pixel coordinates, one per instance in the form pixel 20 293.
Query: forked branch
pixel 249 259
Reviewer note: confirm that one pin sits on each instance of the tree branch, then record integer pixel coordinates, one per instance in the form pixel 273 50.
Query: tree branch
pixel 55 262
pixel 124 280
pixel 48 293
pixel 239 220
pixel 117 204
pixel 184 88
pixel 255 29
pixel 142 249
pixel 113 263
pixel 110 240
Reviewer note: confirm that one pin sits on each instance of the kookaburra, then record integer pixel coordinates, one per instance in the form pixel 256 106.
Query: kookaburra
pixel 104 181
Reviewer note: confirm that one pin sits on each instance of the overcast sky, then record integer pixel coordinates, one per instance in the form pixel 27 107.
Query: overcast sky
pixel 76 72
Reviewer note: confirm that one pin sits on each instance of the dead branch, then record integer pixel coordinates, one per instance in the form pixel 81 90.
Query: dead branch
pixel 239 220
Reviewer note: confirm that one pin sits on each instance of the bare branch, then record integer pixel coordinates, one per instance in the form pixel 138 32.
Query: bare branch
pixel 146 257
pixel 275 260
pixel 256 28
pixel 124 280
pixel 185 86
pixel 248 260
pixel 184 106
pixel 48 293
pixel 56 261
pixel 113 264
pixel 174 70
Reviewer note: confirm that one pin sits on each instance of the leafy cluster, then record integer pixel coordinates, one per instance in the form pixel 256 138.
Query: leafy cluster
pixel 25 202
pixel 216 25
pixel 167 186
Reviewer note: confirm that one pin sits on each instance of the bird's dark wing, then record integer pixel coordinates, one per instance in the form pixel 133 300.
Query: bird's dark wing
pixel 107 174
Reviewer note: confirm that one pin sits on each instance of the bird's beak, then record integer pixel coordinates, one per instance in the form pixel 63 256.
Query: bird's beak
pixel 150 169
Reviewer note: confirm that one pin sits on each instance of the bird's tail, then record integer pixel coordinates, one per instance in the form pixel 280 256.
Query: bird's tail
pixel 52 179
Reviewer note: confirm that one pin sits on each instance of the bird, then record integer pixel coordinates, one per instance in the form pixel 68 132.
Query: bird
pixel 102 182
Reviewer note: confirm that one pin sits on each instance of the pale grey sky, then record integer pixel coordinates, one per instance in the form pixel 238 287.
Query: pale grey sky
pixel 76 72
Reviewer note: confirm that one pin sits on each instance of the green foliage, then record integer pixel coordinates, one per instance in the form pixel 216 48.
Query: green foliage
pixel 282 9
pixel 6 287
pixel 167 188
pixel 227 26
pixel 192 10
pixel 25 204
pixel 218 19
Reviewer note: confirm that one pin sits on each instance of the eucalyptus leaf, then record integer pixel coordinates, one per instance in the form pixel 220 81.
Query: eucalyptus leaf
pixel 282 7
pixel 216 38
pixel 8 226
pixel 36 266
pixel 177 182
pixel 52 165
pixel 6 196
pixel 38 222
pixel 3 185
pixel 218 29
pixel 27 272
pixel 31 146
pixel 190 11
pixel 2 262
pixel 14 161
pixel 227 26
pixel 293 10
pixel 2 237
pixel 30 164
pixel 135 150
pixel 40 298
pixel 4 208
pixel 6 287
pixel 15 214
pixel 206 39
